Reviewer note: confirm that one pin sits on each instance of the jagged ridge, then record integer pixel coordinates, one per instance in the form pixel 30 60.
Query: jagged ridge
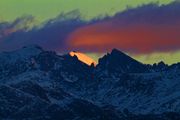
pixel 38 84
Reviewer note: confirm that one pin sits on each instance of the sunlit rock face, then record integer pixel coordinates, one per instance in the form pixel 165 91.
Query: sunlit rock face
pixel 83 58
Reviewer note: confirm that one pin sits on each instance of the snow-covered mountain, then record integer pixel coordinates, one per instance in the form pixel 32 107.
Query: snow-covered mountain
pixel 41 85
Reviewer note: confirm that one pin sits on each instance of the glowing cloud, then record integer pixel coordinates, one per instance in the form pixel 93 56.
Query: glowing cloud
pixel 136 39
pixel 143 30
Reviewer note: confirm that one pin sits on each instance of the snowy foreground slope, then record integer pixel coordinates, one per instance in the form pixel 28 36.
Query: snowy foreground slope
pixel 41 85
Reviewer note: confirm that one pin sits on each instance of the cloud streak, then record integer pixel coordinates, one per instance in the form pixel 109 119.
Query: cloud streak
pixel 142 30
pixel 51 35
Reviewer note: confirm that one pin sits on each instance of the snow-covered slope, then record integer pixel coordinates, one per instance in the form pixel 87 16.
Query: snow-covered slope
pixel 20 54
pixel 38 84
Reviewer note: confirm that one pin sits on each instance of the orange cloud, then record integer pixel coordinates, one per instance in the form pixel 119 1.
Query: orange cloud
pixel 145 29
pixel 134 38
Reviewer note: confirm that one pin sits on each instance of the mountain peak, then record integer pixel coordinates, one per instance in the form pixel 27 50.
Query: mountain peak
pixel 159 66
pixel 22 54
pixel 120 62
pixel 30 50
pixel 116 51
pixel 161 63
